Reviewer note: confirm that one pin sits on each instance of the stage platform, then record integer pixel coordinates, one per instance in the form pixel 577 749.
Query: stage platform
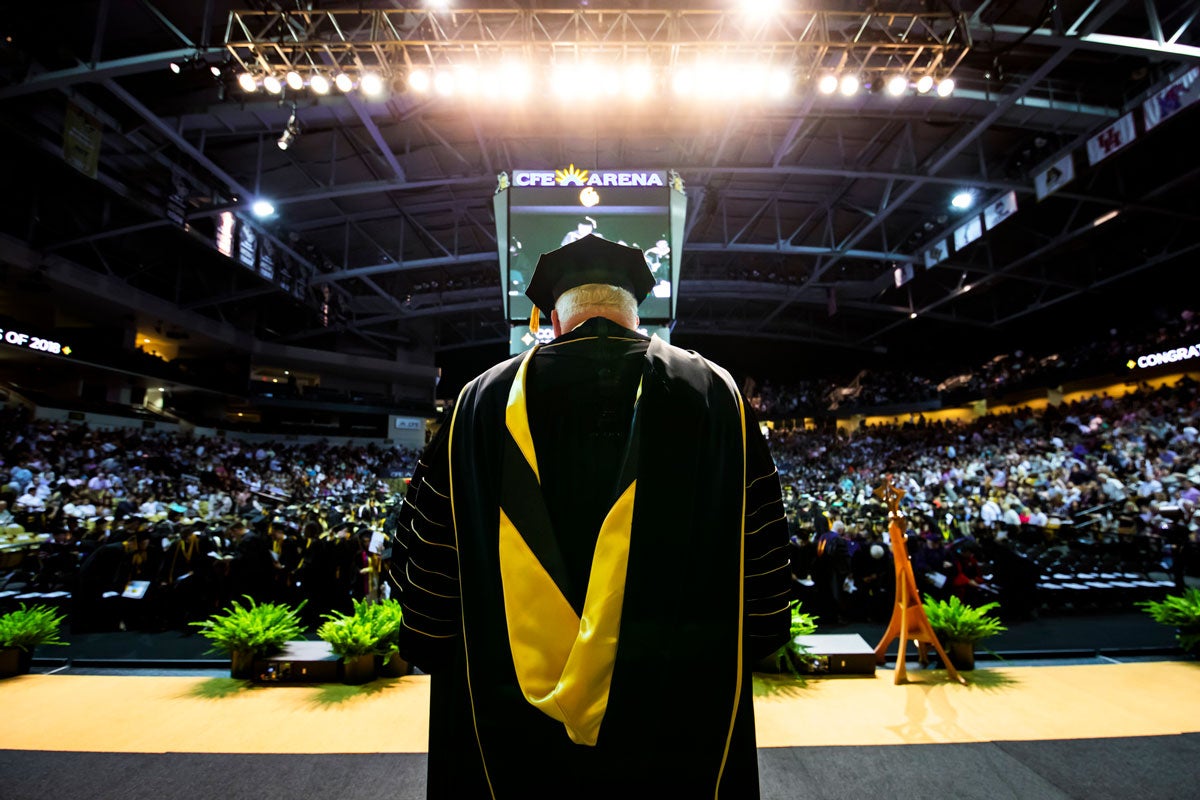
pixel 192 736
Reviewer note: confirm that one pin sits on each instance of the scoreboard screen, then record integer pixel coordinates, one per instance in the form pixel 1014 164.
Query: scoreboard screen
pixel 542 211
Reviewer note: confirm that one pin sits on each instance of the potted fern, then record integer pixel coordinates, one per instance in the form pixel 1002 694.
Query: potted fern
pixel 959 627
pixel 1181 611
pixel 23 630
pixel 359 637
pixel 247 632
pixel 790 657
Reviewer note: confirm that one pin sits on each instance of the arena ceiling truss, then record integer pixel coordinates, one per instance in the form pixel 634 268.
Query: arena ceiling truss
pixel 814 219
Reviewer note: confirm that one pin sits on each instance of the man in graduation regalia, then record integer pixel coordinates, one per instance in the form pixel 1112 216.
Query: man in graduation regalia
pixel 591 557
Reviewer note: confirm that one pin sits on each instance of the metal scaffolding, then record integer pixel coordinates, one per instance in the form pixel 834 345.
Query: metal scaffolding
pixel 395 41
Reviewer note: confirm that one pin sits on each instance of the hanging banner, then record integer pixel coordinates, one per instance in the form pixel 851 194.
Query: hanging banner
pixel 81 140
pixel 1111 139
pixel 965 234
pixel 1054 177
pixel 1000 210
pixel 1173 99
pixel 936 253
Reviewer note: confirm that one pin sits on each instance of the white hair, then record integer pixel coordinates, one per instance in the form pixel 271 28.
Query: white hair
pixel 596 299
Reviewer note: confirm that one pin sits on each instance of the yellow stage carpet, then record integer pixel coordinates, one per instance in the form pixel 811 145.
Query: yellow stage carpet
pixel 221 715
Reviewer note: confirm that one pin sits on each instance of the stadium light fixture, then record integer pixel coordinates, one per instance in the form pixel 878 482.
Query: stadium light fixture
pixel 371 84
pixel 418 81
pixel 897 85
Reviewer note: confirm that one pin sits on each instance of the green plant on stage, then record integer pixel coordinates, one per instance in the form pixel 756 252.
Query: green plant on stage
pixel 259 628
pixel 1181 611
pixel 955 621
pixel 371 630
pixel 790 657
pixel 26 628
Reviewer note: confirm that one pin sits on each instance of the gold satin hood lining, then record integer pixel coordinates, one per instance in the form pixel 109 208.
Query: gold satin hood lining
pixel 564 664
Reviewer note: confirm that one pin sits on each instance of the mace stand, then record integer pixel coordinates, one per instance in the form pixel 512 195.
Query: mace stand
pixel 908 615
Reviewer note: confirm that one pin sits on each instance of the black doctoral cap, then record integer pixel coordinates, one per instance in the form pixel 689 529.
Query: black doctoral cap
pixel 591 259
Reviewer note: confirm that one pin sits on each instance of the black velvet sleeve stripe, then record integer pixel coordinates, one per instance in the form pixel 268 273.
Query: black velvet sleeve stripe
pixel 425 562
pixel 767 615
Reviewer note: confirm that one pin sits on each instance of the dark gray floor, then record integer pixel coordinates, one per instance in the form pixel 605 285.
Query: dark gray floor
pixel 1151 768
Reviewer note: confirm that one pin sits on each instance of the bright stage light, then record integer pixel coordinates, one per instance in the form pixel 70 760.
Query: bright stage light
pixel 779 83
pixel 945 87
pixel 319 83
pixel 443 82
pixel 683 82
pixel 565 82
pixel 262 208
pixel 963 200
pixel 371 84
pixel 343 82
pixel 174 66
pixel 418 81
pixel 294 80
pixel 849 85
pixel 215 71
pixel 247 82
pixel 828 84
pixel 897 85
pixel 638 81
pixel 515 81
pixel 466 80
pixel 272 84
pixel 924 84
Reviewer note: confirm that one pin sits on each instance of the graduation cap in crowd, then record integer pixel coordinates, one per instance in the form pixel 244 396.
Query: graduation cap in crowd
pixel 591 259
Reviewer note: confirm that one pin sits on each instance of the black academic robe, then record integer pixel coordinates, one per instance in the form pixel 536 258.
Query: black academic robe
pixel 679 719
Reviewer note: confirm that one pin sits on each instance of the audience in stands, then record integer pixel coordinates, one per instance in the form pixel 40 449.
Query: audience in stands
pixel 1011 506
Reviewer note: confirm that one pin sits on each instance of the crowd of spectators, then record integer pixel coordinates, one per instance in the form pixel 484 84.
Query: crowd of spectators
pixel 999 375
pixel 1107 483
pixel 181 524
pixel 989 506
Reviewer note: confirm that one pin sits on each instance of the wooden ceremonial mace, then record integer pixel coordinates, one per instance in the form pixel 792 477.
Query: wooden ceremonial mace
pixel 908 615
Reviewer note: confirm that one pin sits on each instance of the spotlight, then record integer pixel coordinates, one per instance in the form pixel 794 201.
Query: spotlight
pixel 897 85
pixel 319 83
pixel 945 87
pixel 290 132
pixel 443 83
pixel 963 200
pixel 683 82
pixel 637 81
pixel 272 84
pixel 849 85
pixel 466 80
pixel 828 84
pixel 215 71
pixel 418 81
pixel 294 80
pixel 343 82
pixel 779 82
pixel 924 84
pixel 262 208
pixel 913 315
pixel 247 82
pixel 516 80
pixel 371 84
pixel 175 67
